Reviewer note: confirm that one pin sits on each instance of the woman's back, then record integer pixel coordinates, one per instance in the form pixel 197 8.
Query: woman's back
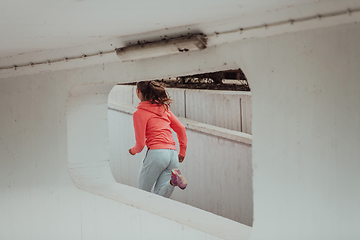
pixel 157 120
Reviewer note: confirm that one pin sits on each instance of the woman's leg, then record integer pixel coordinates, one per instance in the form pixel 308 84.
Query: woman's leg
pixel 155 162
pixel 163 186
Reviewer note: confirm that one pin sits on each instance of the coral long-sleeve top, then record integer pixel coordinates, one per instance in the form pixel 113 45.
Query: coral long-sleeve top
pixel 153 124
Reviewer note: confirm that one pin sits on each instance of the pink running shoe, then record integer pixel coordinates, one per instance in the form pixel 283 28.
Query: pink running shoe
pixel 177 179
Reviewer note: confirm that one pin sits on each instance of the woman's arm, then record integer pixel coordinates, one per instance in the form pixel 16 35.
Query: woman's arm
pixel 181 134
pixel 139 121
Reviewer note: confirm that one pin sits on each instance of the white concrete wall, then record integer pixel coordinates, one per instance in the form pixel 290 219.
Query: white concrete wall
pixel 306 132
pixel 217 166
pixel 226 109
pixel 38 197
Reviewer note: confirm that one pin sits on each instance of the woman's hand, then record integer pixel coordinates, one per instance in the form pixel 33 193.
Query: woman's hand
pixel 181 158
pixel 131 152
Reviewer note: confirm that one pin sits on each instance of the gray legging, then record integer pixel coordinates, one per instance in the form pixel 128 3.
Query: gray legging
pixel 156 167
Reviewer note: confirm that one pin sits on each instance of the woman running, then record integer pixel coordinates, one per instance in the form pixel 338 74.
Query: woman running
pixel 153 122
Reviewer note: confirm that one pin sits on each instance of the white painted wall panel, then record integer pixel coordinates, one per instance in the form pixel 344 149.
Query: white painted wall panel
pixel 219 108
pixel 179 97
pixel 246 113
pixel 219 174
pixel 124 168
pixel 123 93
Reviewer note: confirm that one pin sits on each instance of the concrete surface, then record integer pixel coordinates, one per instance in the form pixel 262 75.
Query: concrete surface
pixel 36 31
pixel 306 133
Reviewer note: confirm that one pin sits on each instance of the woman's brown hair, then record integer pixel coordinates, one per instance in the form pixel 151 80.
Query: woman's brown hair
pixel 155 93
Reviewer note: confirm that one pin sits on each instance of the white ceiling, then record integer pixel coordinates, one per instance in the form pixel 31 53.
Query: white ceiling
pixel 39 29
